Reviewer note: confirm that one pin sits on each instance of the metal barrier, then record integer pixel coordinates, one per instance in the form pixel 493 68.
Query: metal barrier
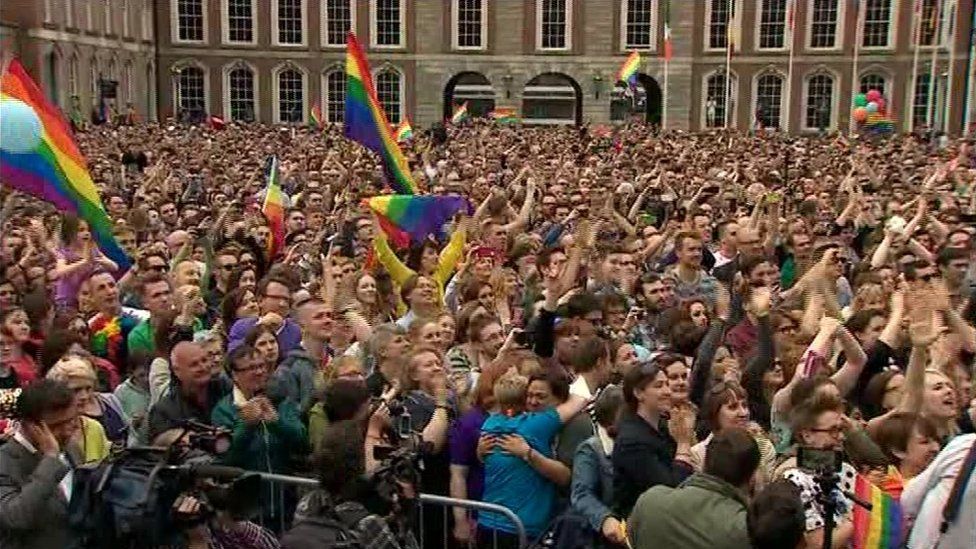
pixel 426 500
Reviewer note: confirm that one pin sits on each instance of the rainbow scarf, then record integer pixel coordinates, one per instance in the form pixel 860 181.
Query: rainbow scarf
pixel 403 131
pixel 274 207
pixel 108 339
pixel 504 115
pixel 628 71
pixel 460 114
pixel 366 123
pixel 411 217
pixel 316 115
pixel 881 527
pixel 38 156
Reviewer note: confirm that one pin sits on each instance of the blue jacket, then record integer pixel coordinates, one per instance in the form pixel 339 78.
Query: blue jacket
pixel 592 489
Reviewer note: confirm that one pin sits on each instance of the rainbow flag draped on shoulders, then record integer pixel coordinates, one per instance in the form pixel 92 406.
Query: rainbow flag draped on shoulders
pixel 460 114
pixel 275 202
pixel 411 217
pixel 366 123
pixel 38 156
pixel 881 527
pixel 403 131
pixel 628 71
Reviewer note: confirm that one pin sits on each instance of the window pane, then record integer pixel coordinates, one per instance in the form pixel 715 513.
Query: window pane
pixel 189 19
pixel 240 21
pixel 291 98
pixel 469 22
pixel 290 21
pixel 242 95
pixel 877 15
pixel 718 23
pixel 769 94
pixel 823 33
pixel 873 82
pixel 554 24
pixel 335 96
pixel 715 96
pixel 191 93
pixel 920 105
pixel 639 29
pixel 388 22
pixel 338 21
pixel 820 96
pixel 772 25
pixel 388 92
pixel 931 15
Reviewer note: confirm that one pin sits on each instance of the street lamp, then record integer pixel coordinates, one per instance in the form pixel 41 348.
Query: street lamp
pixel 597 85
pixel 507 81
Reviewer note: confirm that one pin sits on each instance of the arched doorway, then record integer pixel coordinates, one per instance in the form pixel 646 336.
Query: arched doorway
pixel 471 87
pixel 552 99
pixel 642 101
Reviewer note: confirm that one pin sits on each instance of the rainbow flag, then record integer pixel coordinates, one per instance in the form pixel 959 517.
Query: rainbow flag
pixel 274 207
pixel 628 71
pixel 366 123
pixel 316 114
pixel 403 131
pixel 460 113
pixel 881 527
pixel 412 217
pixel 38 156
pixel 505 115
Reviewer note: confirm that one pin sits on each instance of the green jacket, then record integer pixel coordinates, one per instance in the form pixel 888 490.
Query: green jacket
pixel 265 447
pixel 703 513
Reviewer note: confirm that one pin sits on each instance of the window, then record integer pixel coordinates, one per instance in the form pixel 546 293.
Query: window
pixel 769 99
pixel 339 19
pixel 69 13
pixel 93 81
pixel 920 103
pixel 73 76
pixel 873 82
pixel 715 113
pixel 823 23
pixel 720 13
pixel 638 25
pixel 48 12
pixel 147 20
pixel 469 24
pixel 877 24
pixel 239 21
pixel 89 21
pixel 772 25
pixel 241 98
pixel 553 24
pixel 290 95
pixel 190 22
pixel 125 18
pixel 335 95
pixel 818 113
pixel 191 95
pixel 388 84
pixel 289 18
pixel 933 19
pixel 128 84
pixel 107 7
pixel 386 27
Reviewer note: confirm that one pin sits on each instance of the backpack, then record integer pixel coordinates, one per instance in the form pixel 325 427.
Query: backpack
pixel 334 530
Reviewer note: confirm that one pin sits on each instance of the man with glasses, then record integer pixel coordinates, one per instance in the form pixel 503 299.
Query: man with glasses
pixel 226 260
pixel 274 306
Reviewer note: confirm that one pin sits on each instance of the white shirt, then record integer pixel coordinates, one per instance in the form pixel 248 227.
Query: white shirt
pixel 926 495
pixel 580 388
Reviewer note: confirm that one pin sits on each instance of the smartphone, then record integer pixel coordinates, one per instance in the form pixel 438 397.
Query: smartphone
pixel 524 339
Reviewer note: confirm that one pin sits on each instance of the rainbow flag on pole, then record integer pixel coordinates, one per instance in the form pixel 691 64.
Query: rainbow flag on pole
pixel 628 71
pixel 881 527
pixel 38 156
pixel 366 123
pixel 412 217
pixel 403 131
pixel 460 113
pixel 274 207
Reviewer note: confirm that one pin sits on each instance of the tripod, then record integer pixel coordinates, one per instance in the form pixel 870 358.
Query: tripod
pixel 828 482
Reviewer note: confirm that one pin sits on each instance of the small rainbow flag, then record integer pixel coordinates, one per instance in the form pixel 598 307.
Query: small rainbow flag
pixel 628 71
pixel 403 131
pixel 505 115
pixel 274 207
pixel 881 527
pixel 366 123
pixel 39 157
pixel 460 113
pixel 316 115
pixel 412 217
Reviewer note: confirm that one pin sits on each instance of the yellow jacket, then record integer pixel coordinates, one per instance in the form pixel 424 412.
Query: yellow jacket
pixel 446 263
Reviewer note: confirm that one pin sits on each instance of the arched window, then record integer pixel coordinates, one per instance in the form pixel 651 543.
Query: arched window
pixel 873 81
pixel 128 85
pixel 716 113
pixel 93 82
pixel 769 99
pixel 240 89
pixel 819 99
pixel 388 82
pixel 334 88
pixel 191 98
pixel 73 76
pixel 290 95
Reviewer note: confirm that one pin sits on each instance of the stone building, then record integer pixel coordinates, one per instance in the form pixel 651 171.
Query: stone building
pixel 554 61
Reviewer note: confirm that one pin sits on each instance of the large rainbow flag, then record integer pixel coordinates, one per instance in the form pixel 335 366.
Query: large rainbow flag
pixel 881 527
pixel 274 207
pixel 366 123
pixel 38 156
pixel 412 217
pixel 628 71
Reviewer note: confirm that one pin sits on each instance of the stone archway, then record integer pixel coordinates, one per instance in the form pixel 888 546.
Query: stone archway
pixel 552 98
pixel 643 100
pixel 471 87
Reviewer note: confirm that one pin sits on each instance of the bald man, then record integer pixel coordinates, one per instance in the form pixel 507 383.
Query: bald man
pixel 193 391
pixel 176 240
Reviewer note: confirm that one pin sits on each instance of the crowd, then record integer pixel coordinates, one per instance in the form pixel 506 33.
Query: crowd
pixel 637 337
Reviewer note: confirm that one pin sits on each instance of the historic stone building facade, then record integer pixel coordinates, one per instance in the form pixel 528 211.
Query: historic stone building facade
pixel 555 61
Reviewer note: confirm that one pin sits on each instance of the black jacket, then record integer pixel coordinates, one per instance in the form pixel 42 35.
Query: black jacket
pixel 173 409
pixel 642 457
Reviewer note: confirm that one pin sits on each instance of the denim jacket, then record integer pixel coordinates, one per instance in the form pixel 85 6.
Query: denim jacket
pixel 592 488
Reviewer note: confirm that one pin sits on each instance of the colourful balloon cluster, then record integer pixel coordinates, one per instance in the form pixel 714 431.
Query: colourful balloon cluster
pixel 870 110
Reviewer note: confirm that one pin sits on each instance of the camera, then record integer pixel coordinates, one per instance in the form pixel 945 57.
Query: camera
pixel 822 462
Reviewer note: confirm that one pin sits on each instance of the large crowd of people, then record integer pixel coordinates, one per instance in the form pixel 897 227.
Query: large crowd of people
pixel 637 337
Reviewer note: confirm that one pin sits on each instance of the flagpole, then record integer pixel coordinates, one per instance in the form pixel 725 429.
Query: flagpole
pixel 855 81
pixel 936 38
pixel 667 64
pixel 729 44
pixel 917 14
pixel 970 66
pixel 789 71
pixel 664 112
pixel 952 66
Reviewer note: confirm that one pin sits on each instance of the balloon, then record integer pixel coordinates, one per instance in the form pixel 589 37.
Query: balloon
pixel 872 107
pixel 881 104
pixel 860 100
pixel 873 95
pixel 860 114
pixel 20 128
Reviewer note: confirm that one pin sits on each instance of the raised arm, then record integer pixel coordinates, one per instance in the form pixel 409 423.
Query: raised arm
pixel 820 346
pixel 846 377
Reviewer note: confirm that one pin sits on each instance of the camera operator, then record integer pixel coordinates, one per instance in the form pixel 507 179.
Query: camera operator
pixel 335 512
pixel 818 428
